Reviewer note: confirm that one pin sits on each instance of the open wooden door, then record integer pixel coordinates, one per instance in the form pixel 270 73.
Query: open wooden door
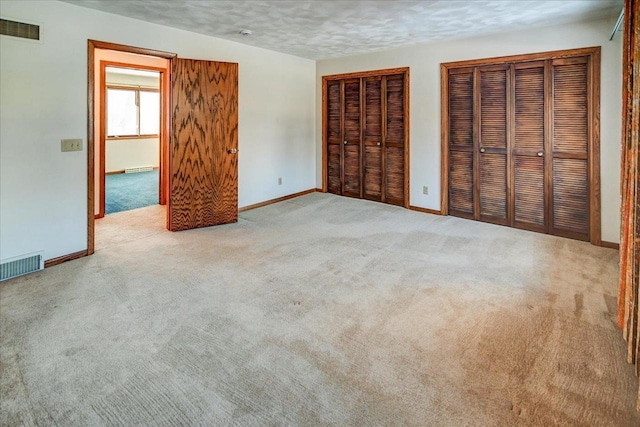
pixel 203 174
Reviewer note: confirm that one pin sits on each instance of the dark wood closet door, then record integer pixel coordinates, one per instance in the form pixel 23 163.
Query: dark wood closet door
pixel 570 183
pixel 461 151
pixel 394 139
pixel 528 155
pixel 334 137
pixel 204 164
pixel 351 143
pixel 518 143
pixel 492 145
pixel 372 138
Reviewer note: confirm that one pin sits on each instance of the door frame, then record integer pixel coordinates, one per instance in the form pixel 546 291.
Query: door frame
pixel 364 74
pixel 593 118
pixel 92 45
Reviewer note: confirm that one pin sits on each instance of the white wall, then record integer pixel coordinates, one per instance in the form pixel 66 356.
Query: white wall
pixel 424 61
pixel 123 153
pixel 130 80
pixel 43 98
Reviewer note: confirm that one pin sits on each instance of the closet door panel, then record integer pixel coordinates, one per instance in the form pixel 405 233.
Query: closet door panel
pixel 461 184
pixel 334 137
pixel 460 133
pixel 529 188
pixel 570 195
pixel 529 147
pixel 351 141
pixel 394 139
pixel 372 161
pixel 570 201
pixel 492 157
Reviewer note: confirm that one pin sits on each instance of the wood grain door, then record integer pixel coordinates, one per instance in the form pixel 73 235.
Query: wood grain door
pixel 204 164
pixel 492 149
pixel 372 139
pixel 351 139
pixel 529 199
pixel 334 137
pixel 394 139
pixel 461 143
pixel 569 211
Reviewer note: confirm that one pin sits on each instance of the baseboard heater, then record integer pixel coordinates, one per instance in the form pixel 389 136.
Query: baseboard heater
pixel 20 265
pixel 139 169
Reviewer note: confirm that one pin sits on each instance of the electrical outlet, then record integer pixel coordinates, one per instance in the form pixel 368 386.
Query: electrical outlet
pixel 71 145
pixel 279 181
pixel 425 190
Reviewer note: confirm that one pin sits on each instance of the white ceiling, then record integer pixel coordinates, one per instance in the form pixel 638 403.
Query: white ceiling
pixel 326 29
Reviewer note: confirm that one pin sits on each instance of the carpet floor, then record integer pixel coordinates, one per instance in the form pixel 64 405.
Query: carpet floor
pixel 127 191
pixel 320 310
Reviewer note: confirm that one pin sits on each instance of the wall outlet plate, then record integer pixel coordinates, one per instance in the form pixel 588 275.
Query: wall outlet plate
pixel 425 190
pixel 71 145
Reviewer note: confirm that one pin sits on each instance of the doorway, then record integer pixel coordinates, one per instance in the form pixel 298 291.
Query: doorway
pixel 132 139
pixel 198 135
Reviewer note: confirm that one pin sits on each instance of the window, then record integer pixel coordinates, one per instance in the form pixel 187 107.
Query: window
pixel 132 112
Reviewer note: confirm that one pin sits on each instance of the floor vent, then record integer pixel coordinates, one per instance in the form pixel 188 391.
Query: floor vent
pixel 139 169
pixel 20 265
pixel 19 29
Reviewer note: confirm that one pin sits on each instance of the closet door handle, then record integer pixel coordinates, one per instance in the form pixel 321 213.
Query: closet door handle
pixel 233 151
pixel 540 153
pixel 482 150
pixel 345 142
pixel 378 144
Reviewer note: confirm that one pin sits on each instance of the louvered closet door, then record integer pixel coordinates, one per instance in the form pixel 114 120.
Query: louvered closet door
pixel 570 182
pixel 528 153
pixel 394 140
pixel 492 143
pixel 334 137
pixel 351 143
pixel 372 139
pixel 460 134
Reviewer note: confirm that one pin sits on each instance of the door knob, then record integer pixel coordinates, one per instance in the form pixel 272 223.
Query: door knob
pixel 233 151
pixel 540 154
pixel 482 150
pixel 345 142
pixel 378 144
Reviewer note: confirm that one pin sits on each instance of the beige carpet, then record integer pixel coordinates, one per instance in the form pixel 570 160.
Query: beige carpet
pixel 320 310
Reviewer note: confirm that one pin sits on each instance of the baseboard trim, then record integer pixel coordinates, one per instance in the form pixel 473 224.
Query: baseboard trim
pixel 65 258
pixel 610 245
pixel 116 172
pixel 425 210
pixel 279 199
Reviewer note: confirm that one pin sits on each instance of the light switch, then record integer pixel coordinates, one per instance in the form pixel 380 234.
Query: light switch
pixel 71 145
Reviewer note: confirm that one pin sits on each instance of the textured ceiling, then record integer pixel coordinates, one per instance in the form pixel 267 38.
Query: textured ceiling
pixel 326 29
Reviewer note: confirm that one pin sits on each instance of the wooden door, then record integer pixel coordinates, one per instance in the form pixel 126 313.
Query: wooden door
pixel 372 139
pixel 334 137
pixel 492 83
pixel 351 139
pixel 460 143
pixel 570 148
pixel 394 139
pixel 204 163
pixel 529 202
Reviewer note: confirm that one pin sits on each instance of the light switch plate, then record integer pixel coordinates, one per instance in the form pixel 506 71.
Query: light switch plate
pixel 71 145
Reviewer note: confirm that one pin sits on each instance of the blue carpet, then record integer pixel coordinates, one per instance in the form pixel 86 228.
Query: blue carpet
pixel 126 191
